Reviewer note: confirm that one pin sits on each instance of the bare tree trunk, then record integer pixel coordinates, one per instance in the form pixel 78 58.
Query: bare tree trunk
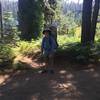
pixel 1 23
pixel 86 22
pixel 94 20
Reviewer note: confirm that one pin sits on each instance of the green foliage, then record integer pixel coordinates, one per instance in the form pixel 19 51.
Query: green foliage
pixel 12 37
pixel 30 18
pixel 63 40
pixel 6 55
pixel 38 17
pixel 71 32
pixel 77 53
pixel 28 48
pixel 67 21
pixel 8 20
pixel 69 46
pixel 98 30
pixel 10 29
pixel 78 32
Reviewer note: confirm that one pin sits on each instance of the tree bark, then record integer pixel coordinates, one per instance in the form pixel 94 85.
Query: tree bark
pixel 22 19
pixel 94 20
pixel 86 22
pixel 1 23
pixel 30 18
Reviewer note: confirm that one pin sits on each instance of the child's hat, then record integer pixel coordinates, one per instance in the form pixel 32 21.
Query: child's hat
pixel 47 30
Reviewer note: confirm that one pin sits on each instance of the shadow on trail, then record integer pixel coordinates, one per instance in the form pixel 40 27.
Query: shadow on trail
pixel 62 85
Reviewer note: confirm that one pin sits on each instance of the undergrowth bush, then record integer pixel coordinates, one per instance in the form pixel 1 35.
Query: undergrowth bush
pixel 77 53
pixel 65 39
pixel 70 45
pixel 6 55
pixel 28 48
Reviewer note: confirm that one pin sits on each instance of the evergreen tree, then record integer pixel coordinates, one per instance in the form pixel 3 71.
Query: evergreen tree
pixel 30 18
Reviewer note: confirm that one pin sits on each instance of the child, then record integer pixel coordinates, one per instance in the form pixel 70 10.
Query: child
pixel 48 48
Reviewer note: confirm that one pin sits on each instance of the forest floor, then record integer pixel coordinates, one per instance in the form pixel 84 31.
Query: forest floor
pixel 68 82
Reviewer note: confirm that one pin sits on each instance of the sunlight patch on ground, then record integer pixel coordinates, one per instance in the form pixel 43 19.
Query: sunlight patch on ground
pixel 69 76
pixel 65 85
pixel 32 63
pixel 3 78
pixel 67 88
pixel 62 71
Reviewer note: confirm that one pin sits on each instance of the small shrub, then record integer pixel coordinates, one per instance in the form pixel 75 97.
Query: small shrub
pixel 64 40
pixel 6 55
pixel 71 32
pixel 77 53
pixel 28 48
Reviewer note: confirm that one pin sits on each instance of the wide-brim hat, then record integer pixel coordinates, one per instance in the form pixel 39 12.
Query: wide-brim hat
pixel 47 30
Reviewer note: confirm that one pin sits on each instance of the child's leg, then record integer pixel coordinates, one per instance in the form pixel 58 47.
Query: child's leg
pixel 46 62
pixel 51 60
pixel 51 64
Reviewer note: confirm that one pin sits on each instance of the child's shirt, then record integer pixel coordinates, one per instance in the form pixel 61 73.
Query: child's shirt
pixel 48 44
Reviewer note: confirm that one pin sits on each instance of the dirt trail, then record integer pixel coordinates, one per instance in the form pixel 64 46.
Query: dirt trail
pixel 62 85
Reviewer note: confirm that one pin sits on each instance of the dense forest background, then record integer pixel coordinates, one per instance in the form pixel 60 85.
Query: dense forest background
pixel 77 29
pixel 71 12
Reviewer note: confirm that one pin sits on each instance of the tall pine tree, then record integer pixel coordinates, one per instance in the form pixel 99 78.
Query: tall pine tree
pixel 30 14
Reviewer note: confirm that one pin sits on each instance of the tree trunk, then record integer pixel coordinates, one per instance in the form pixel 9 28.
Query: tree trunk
pixel 94 20
pixel 1 23
pixel 30 18
pixel 25 22
pixel 86 22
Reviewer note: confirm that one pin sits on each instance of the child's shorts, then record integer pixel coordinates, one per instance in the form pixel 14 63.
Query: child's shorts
pixel 48 55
